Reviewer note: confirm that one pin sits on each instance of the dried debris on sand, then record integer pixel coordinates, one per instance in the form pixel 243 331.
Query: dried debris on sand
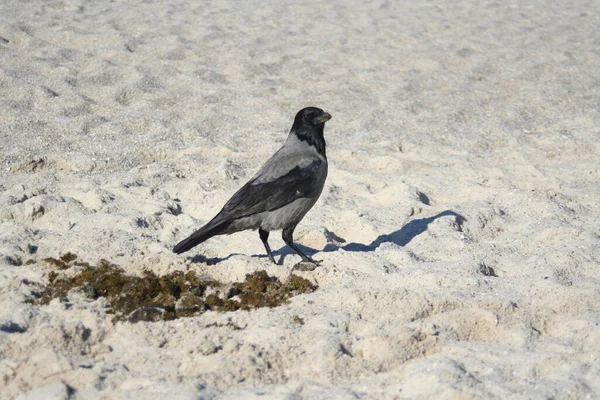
pixel 153 298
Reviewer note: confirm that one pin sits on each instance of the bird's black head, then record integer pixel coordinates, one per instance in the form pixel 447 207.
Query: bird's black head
pixel 311 117
pixel 308 126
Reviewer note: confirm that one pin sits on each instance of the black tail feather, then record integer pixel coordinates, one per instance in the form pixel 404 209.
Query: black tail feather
pixel 201 235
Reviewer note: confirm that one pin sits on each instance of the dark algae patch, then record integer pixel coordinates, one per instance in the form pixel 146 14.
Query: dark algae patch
pixel 259 290
pixel 160 298
pixel 65 261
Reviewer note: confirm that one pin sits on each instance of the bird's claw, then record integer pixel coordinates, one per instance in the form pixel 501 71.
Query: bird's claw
pixel 309 265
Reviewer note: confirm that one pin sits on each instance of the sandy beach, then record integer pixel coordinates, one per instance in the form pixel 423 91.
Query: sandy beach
pixel 458 229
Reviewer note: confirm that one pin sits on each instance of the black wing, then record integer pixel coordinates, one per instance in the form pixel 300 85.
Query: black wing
pixel 256 198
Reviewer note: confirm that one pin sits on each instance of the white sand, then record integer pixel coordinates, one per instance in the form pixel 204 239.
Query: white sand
pixel 110 111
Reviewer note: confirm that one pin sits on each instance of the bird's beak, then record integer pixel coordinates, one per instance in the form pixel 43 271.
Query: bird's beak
pixel 322 119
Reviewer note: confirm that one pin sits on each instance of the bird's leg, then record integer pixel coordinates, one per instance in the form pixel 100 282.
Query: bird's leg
pixel 287 236
pixel 264 236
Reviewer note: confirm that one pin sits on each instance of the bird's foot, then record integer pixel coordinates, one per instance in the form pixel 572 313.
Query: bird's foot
pixel 308 265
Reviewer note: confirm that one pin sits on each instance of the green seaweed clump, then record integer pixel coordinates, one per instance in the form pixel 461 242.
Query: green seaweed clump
pixel 65 261
pixel 160 298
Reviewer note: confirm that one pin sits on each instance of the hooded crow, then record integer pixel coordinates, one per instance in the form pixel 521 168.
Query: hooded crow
pixel 281 192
